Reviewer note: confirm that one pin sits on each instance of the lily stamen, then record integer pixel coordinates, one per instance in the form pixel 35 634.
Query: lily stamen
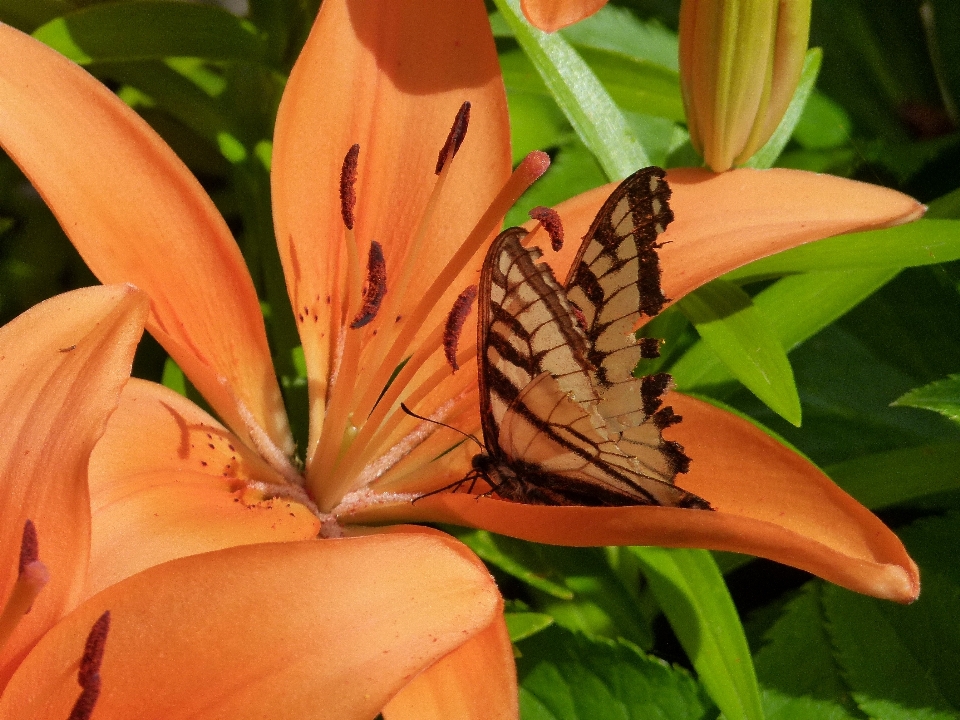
pixel 32 575
pixel 89 674
pixel 457 133
pixel 375 287
pixel 550 221
pixel 338 434
pixel 455 320
pixel 527 172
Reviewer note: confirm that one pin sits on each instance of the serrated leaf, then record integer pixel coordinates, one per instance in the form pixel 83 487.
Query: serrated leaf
pixel 151 29
pixel 766 156
pixel 923 242
pixel 796 308
pixel 741 337
pixel 890 478
pixel 693 595
pixel 566 676
pixel 521 625
pixel 587 105
pixel 798 676
pixel 942 396
pixel 899 662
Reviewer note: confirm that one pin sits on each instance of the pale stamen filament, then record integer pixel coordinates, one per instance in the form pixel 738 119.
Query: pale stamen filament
pixel 339 430
pixel 527 172
pixel 365 451
pixel 357 457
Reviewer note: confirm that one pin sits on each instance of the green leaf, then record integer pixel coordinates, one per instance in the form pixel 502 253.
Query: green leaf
pixel 766 156
pixel 889 478
pixel 512 561
pixel 565 676
pixel 900 663
pixel 924 242
pixel 617 29
pixel 637 85
pixel 579 588
pixel 693 595
pixel 824 125
pixel 587 105
pixel 798 675
pixel 796 308
pixel 151 29
pixel 942 396
pixel 521 625
pixel 740 335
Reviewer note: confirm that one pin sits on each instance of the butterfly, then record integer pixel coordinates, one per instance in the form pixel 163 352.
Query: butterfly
pixel 564 420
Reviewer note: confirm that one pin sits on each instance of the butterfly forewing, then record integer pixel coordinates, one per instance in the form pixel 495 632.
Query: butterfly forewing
pixel 616 274
pixel 556 395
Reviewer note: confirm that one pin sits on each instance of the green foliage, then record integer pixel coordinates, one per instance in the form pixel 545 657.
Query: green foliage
pixel 859 335
pixel 564 676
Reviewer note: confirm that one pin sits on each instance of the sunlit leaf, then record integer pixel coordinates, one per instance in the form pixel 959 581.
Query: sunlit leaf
pixel 694 597
pixel 741 337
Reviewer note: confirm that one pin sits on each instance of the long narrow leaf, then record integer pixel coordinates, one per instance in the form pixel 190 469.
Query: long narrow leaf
pixel 151 30
pixel 924 242
pixel 741 337
pixel 592 113
pixel 689 588
pixel 796 308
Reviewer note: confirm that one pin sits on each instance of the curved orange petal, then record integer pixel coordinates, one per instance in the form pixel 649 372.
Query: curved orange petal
pixel 477 681
pixel 726 220
pixel 137 214
pixel 553 15
pixel 314 629
pixel 389 75
pixel 62 366
pixel 167 480
pixel 769 502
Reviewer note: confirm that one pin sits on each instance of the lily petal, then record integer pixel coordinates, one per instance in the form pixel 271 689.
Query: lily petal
pixel 189 488
pixel 277 630
pixel 137 214
pixel 477 681
pixel 769 502
pixel 389 75
pixel 553 15
pixel 62 366
pixel 726 220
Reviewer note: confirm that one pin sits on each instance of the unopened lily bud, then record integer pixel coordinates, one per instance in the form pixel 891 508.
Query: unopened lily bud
pixel 740 63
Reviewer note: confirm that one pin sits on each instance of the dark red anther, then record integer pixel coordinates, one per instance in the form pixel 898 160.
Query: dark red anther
pixel 455 320
pixel 29 547
pixel 457 133
pixel 550 221
pixel 89 674
pixel 374 288
pixel 348 181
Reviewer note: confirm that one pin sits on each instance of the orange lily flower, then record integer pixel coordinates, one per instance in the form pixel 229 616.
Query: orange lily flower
pixel 169 481
pixel 64 364
pixel 553 15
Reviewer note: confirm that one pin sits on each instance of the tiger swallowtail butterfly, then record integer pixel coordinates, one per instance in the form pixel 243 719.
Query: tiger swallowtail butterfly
pixel 564 420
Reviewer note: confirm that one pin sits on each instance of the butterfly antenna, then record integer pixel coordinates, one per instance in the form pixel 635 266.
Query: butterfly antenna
pixel 411 413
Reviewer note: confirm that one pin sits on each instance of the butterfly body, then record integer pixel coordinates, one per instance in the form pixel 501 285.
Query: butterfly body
pixel 564 420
